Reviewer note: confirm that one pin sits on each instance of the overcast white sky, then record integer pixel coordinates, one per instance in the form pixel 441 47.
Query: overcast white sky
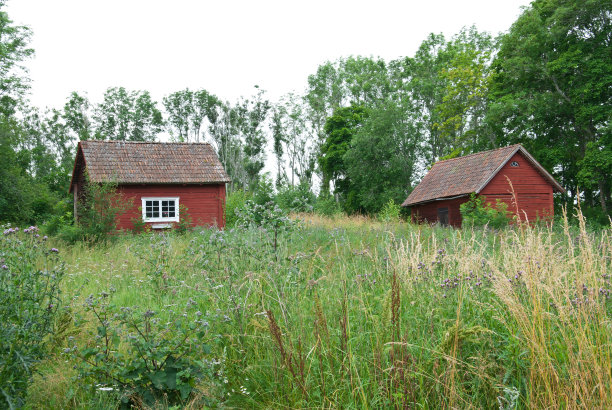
pixel 225 46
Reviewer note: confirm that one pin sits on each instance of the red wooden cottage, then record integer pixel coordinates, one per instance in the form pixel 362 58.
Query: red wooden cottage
pixel 156 179
pixel 493 174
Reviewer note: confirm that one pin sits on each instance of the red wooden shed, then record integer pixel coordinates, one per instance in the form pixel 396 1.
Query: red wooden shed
pixel 494 174
pixel 156 179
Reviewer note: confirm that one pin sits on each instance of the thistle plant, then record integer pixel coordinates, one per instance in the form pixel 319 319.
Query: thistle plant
pixel 146 355
pixel 30 276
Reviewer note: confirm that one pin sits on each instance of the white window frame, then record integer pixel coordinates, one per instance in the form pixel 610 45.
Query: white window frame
pixel 160 198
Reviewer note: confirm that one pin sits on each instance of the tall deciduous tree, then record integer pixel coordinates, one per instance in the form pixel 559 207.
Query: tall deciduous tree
pixel 552 91
pixel 462 127
pixel 294 139
pixel 383 156
pixel 127 116
pixel 187 113
pixel 77 115
pixel 252 114
pixel 340 129
pixel 14 49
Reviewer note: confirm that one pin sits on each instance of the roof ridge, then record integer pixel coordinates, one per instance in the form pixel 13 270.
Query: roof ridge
pixel 478 153
pixel 147 142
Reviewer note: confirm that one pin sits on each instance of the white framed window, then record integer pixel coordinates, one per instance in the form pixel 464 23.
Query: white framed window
pixel 160 209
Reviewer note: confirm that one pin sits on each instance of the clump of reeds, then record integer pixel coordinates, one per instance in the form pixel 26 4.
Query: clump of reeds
pixel 552 292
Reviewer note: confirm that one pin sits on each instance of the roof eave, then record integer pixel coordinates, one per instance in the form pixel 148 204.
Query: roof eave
pixel 79 149
pixel 445 198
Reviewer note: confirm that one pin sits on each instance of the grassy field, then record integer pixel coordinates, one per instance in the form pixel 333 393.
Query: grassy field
pixel 354 313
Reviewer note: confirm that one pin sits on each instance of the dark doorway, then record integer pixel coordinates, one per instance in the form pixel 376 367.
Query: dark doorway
pixel 443 216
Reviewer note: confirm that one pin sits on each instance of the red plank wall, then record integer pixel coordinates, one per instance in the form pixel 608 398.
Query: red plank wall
pixel 205 203
pixel 429 212
pixel 534 195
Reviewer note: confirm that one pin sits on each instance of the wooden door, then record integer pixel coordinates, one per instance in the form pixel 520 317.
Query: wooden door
pixel 443 216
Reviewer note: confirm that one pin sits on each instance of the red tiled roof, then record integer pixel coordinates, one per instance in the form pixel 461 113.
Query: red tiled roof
pixel 471 173
pixel 152 163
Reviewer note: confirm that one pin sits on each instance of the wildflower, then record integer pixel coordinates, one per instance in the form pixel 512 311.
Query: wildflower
pixel 4 267
pixel 54 250
pixel 45 238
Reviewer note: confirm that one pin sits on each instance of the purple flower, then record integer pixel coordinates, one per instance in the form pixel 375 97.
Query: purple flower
pixel 45 238
pixel 54 250
pixel 4 267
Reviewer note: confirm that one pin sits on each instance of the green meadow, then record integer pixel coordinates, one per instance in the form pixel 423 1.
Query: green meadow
pixel 339 313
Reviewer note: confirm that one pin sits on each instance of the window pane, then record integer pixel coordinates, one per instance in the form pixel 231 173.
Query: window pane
pixel 171 209
pixel 152 209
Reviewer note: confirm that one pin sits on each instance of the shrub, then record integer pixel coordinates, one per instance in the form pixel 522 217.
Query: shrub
pixel 269 217
pixel 477 212
pixel 147 356
pixel 262 191
pixel 62 217
pixel 390 212
pixel 296 198
pixel 138 223
pixel 233 203
pixel 30 275
pixel 185 221
pixel 98 209
pixel 327 205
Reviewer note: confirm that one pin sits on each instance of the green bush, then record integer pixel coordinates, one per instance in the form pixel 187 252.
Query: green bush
pixel 62 217
pixel 262 191
pixel 295 198
pixel 326 205
pixel 30 276
pixel 233 203
pixel 185 221
pixel 477 212
pixel 97 211
pixel 390 212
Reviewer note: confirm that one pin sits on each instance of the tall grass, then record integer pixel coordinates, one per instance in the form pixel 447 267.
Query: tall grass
pixel 351 312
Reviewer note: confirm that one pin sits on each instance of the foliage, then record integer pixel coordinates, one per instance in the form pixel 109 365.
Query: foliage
pixel 390 212
pixel 98 208
pixel 295 198
pixel 478 212
pixel 551 92
pixel 269 217
pixel 262 190
pixel 187 110
pixel 127 116
pixel 381 161
pixel 30 276
pixel 327 205
pixel 185 222
pixel 13 51
pixel 23 199
pixel 339 130
pixel 233 203
pixel 138 223
pixel 148 356
pixel 61 217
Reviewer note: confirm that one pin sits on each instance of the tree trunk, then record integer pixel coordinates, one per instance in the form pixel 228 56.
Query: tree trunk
pixel 603 196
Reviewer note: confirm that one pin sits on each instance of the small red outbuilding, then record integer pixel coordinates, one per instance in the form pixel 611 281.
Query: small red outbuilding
pixel 157 180
pixel 509 174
